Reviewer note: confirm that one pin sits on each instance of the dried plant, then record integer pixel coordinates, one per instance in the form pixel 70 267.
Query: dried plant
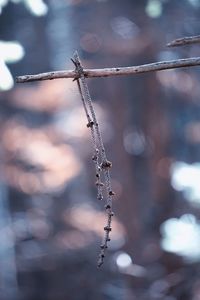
pixel 102 165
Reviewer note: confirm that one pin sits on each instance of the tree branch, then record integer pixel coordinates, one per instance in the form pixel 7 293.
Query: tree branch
pixel 157 66
pixel 185 41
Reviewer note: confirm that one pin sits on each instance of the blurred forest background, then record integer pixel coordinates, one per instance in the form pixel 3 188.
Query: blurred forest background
pixel 51 224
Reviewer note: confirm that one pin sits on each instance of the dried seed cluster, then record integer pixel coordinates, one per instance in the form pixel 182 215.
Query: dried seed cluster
pixel 102 165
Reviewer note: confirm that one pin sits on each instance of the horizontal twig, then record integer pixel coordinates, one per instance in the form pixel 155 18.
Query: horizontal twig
pixel 157 66
pixel 185 41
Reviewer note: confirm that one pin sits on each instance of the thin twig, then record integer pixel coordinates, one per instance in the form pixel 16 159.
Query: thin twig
pixel 188 40
pixel 157 66
pixel 99 158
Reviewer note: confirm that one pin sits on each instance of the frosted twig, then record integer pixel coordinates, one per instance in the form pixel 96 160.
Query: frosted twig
pixel 185 41
pixel 100 159
pixel 90 125
pixel 106 72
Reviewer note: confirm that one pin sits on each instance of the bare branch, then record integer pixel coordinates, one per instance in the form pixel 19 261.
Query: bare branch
pixel 157 66
pixel 185 41
pixel 46 76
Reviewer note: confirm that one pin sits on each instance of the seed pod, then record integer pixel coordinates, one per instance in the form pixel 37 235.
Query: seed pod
pixel 90 124
pixel 103 247
pixel 111 193
pixel 107 206
pixel 107 228
pixel 106 164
